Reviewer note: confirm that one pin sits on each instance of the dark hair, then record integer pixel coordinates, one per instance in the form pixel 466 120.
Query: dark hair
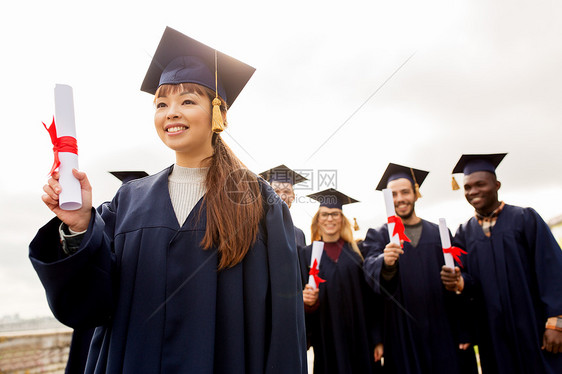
pixel 233 200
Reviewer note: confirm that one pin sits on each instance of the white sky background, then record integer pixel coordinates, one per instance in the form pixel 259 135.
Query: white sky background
pixel 485 78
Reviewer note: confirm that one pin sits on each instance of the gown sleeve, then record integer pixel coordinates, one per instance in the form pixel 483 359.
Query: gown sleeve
pixel 287 344
pixel 459 240
pixel 373 247
pixel 79 287
pixel 548 261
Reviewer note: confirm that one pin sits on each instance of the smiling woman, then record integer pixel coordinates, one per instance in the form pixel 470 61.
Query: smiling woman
pixel 341 313
pixel 193 269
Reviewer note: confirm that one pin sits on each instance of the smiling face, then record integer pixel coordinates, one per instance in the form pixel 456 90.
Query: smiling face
pixel 403 196
pixel 481 191
pixel 330 221
pixel 183 122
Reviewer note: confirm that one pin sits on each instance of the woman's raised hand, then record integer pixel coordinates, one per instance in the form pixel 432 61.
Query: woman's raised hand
pixel 76 220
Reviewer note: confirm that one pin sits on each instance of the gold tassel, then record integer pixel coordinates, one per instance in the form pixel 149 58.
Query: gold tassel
pixel 454 184
pixel 417 188
pixel 216 119
pixel 416 185
pixel 355 225
pixel 218 124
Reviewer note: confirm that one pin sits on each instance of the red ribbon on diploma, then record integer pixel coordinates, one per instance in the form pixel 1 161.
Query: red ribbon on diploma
pixel 398 228
pixel 456 252
pixel 62 144
pixel 314 272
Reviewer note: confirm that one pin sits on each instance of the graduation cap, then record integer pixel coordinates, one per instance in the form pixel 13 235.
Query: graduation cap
pixel 181 59
pixel 472 163
pixel 395 171
pixel 332 198
pixel 283 174
pixel 127 176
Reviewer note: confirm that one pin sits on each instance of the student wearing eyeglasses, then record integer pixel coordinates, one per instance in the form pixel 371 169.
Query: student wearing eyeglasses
pixel 339 312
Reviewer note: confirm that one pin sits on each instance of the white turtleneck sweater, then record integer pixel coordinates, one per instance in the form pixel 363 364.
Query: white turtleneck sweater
pixel 186 187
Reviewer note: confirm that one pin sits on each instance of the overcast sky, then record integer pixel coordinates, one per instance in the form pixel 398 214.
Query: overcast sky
pixel 465 77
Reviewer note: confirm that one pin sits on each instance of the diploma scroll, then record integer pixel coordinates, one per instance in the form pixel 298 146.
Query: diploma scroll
pixel 317 249
pixel 70 197
pixel 390 212
pixel 446 243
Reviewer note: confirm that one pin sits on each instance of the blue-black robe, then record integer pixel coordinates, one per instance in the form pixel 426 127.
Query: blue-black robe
pixel 345 328
pixel 515 275
pixel 421 333
pixel 157 298
pixel 300 238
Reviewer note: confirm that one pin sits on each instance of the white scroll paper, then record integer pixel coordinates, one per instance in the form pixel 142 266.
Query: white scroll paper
pixel 317 250
pixel 390 212
pixel 446 243
pixel 70 197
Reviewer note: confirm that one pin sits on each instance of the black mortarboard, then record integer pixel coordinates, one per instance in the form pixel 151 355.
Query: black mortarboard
pixel 282 173
pixel 332 198
pixel 181 59
pixel 395 171
pixel 469 164
pixel 127 176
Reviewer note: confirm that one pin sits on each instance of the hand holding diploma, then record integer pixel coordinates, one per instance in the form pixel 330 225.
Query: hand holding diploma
pixel 309 295
pixel 76 220
pixel 391 253
pixel 452 279
pixel 68 192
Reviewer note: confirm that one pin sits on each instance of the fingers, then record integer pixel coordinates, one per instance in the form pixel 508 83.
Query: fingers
pixel 52 190
pixel 449 278
pixel 464 346
pixel 83 179
pixel 392 252
pixel 379 352
pixel 552 341
pixel 546 343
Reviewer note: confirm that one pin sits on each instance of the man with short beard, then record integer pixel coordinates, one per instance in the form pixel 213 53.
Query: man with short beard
pixel 420 333
pixel 513 270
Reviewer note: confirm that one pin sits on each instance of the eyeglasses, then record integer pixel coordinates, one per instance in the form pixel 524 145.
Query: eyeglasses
pixel 335 215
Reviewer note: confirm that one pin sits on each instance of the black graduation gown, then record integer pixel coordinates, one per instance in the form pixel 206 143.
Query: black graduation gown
pixel 343 330
pixel 420 331
pixel 516 276
pixel 300 238
pixel 79 348
pixel 156 295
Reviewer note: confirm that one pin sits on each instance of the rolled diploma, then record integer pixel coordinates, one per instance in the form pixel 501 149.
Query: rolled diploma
pixel 317 249
pixel 390 212
pixel 70 197
pixel 446 243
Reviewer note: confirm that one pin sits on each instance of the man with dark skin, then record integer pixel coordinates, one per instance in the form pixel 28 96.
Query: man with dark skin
pixel 513 271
